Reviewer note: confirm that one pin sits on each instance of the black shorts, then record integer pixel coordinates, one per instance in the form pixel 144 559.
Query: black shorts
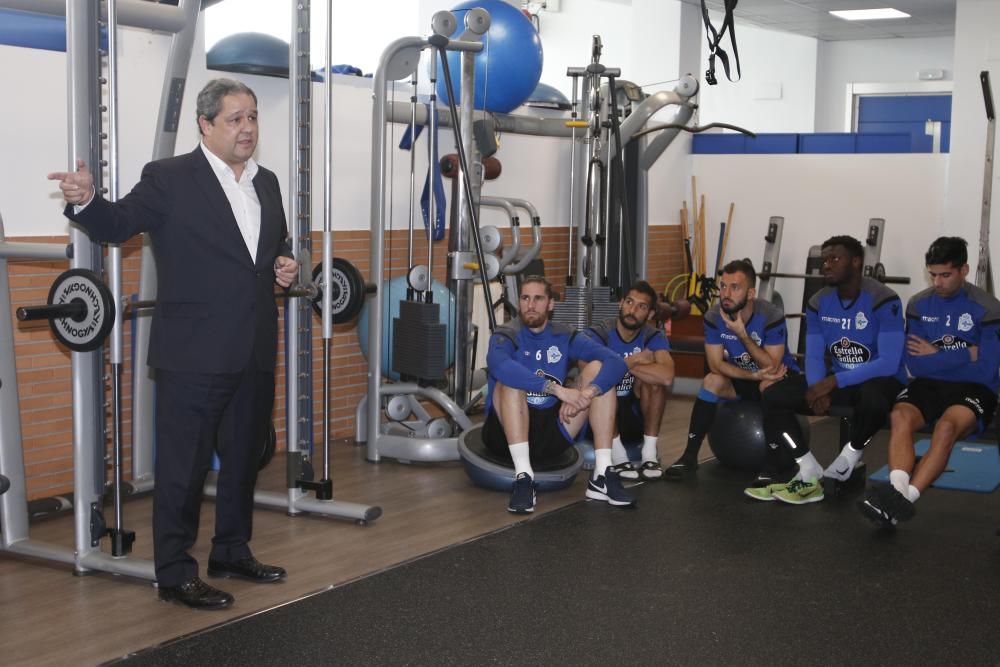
pixel 546 437
pixel 631 425
pixel 933 397
pixel 747 390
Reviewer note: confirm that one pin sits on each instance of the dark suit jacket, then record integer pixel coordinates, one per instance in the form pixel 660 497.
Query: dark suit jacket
pixel 215 309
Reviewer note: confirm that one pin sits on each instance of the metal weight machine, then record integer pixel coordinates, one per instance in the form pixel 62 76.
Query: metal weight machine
pixel 424 439
pixel 608 214
pixel 82 285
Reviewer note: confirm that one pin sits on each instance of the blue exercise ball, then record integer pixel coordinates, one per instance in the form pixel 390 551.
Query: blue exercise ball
pixel 250 53
pixel 510 64
pixel 393 292
pixel 545 96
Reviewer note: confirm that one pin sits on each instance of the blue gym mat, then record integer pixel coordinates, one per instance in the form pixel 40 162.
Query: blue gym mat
pixel 972 467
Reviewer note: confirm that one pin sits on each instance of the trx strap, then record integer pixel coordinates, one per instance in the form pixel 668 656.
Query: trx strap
pixel 715 38
pixel 433 174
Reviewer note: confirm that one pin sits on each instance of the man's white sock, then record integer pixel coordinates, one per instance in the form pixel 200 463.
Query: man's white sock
pixel 809 467
pixel 618 453
pixel 900 480
pixel 649 452
pixel 602 461
pixel 522 458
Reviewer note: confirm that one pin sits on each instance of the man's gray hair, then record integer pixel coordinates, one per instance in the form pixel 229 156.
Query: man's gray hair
pixel 210 98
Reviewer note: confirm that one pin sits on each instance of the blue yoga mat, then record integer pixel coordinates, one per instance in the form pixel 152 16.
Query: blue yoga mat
pixel 972 467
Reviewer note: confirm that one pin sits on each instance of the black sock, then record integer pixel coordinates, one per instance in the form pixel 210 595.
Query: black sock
pixel 702 416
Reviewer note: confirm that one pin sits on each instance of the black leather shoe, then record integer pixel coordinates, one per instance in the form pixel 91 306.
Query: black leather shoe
pixel 246 568
pixel 196 594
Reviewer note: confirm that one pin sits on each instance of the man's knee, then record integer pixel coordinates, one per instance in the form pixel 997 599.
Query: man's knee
pixel 649 391
pixel 946 432
pixel 904 418
pixel 715 383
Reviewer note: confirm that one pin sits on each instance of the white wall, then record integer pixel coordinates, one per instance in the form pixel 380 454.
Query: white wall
pixel 872 61
pixel 769 60
pixel 821 196
pixel 567 36
pixel 977 49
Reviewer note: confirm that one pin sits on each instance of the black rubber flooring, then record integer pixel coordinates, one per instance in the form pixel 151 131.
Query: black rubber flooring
pixel 697 574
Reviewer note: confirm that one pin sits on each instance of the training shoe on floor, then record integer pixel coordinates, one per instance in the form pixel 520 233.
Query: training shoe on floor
pixel 626 471
pixel 800 492
pixel 522 498
pixel 650 470
pixel 839 470
pixel 764 479
pixel 765 492
pixel 680 469
pixel 608 487
pixel 885 506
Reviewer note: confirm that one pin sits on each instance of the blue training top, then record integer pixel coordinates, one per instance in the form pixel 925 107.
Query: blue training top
pixel 523 359
pixel 765 327
pixel 953 324
pixel 646 338
pixel 864 338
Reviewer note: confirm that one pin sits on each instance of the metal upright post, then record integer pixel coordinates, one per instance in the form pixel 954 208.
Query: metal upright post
pixel 298 311
pixel 769 264
pixel 83 80
pixel 984 268
pixel 164 145
pixel 461 282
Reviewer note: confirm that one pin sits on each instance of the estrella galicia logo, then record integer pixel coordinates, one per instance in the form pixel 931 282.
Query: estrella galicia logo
pixel 849 353
pixel 950 342
pixel 746 362
pixel 539 399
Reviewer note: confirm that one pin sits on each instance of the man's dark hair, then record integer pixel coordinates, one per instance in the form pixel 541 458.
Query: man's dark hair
pixel 209 102
pixel 952 250
pixel 744 266
pixel 538 279
pixel 642 287
pixel 848 243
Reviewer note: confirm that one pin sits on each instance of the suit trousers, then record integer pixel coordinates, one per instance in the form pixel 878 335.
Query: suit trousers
pixel 198 414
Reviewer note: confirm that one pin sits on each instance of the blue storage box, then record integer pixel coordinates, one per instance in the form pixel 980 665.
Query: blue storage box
pixel 718 143
pixel 884 142
pixel 827 142
pixel 773 143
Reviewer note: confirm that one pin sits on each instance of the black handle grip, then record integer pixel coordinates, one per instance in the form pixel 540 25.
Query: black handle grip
pixel 75 309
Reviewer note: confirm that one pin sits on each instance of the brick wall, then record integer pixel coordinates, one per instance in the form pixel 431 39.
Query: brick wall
pixel 43 365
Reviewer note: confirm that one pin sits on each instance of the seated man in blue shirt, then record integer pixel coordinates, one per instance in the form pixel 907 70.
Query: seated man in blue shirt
pixel 858 323
pixel 531 414
pixel 952 352
pixel 746 348
pixel 642 393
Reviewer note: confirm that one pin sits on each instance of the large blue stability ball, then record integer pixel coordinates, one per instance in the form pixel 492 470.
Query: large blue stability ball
pixel 393 292
pixel 510 64
pixel 488 471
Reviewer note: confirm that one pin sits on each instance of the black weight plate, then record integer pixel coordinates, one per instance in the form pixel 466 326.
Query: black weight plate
pixel 347 295
pixel 270 444
pixel 86 333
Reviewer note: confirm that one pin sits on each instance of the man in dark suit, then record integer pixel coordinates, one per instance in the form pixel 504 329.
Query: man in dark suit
pixel 218 231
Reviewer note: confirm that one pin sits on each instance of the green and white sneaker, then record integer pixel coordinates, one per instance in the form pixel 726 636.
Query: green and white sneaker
pixel 764 493
pixel 800 492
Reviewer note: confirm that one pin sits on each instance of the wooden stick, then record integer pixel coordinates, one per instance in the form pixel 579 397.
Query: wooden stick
pixel 729 228
pixel 701 234
pixel 684 238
